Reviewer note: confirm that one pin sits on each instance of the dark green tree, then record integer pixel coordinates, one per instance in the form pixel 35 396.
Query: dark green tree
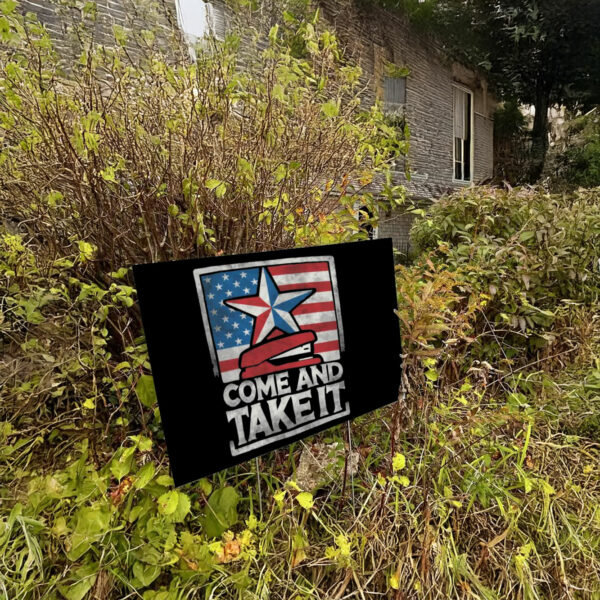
pixel 540 52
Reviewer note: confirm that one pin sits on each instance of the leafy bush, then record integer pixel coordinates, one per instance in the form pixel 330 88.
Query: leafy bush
pixel 153 158
pixel 509 121
pixel 527 252
pixel 580 162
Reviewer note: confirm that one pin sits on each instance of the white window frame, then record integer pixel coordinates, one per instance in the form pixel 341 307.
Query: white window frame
pixel 472 132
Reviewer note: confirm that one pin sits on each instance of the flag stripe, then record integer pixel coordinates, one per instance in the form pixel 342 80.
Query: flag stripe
pixel 319 286
pixel 310 319
pixel 326 336
pixel 327 346
pixel 233 375
pixel 314 307
pixel 329 356
pixel 307 278
pixel 230 353
pixel 298 268
pixel 318 297
pixel 228 365
pixel 327 326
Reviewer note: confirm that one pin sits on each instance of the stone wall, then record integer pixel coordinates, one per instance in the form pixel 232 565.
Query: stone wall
pixel 375 36
pixel 63 20
pixel 396 225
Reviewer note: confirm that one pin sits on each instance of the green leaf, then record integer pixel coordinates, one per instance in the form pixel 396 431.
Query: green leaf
pixel 146 574
pixel 165 480
pixel 92 521
pixel 121 463
pixel 108 174
pixel 7 6
pixel 86 251
pixel 221 511
pixel 182 509
pixel 145 391
pixel 398 462
pixel 305 500
pixel 330 109
pixel 280 173
pixel 91 524
pixel 85 579
pixel 217 186
pixel 89 404
pixel 245 169
pixel 273 34
pixel 526 235
pixel 279 92
pixel 252 522
pixel 206 486
pixel 53 198
pixel 144 476
pixel 167 503
pixel 431 374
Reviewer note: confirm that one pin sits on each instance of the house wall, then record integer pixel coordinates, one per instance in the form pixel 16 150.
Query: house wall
pixel 62 17
pixel 374 36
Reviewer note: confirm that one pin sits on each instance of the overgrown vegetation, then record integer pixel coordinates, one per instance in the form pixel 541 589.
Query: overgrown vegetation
pixel 149 159
pixel 482 481
pixel 579 163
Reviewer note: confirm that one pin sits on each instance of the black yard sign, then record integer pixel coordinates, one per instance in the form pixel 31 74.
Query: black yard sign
pixel 252 352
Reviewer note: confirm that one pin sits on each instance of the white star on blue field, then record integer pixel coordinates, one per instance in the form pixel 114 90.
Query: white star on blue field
pixel 230 328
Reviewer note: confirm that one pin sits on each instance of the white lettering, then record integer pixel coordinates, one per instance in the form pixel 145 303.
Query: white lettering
pixel 229 388
pixel 239 424
pixel 283 386
pixel 258 422
pixel 302 409
pixel 277 408
pixel 247 391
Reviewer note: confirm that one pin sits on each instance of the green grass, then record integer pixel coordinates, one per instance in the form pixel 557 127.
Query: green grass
pixel 501 500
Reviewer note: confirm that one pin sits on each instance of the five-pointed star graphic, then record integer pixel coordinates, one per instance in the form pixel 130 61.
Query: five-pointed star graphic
pixel 271 308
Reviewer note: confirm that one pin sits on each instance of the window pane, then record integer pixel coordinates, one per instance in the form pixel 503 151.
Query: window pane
pixel 198 19
pixel 467 160
pixel 467 141
pixel 463 135
pixel 458 148
pixel 193 17
pixel 460 102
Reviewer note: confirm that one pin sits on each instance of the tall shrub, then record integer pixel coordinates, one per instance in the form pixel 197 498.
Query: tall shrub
pixel 526 251
pixel 155 158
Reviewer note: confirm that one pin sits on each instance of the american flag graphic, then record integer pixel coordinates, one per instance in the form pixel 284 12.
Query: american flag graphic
pixel 269 307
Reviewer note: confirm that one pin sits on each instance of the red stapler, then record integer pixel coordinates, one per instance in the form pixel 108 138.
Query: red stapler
pixel 279 354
